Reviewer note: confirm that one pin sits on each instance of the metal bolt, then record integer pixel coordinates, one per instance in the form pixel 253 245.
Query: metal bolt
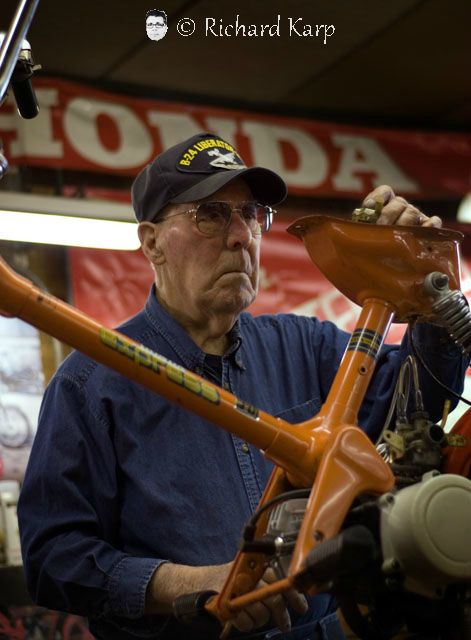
pixel 439 280
pixel 387 498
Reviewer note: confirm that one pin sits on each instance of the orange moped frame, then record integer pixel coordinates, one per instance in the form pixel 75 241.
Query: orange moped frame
pixel 380 268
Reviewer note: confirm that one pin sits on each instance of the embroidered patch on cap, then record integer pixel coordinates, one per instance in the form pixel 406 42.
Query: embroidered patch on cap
pixel 209 154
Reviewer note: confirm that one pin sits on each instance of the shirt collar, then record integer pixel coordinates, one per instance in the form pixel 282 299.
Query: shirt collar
pixel 174 334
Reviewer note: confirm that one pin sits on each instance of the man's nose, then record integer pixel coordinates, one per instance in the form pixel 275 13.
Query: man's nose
pixel 238 232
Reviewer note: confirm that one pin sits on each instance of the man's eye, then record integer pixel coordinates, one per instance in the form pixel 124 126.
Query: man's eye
pixel 249 211
pixel 211 211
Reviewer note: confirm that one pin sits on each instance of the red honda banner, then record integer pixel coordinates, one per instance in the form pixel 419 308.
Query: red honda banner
pixel 82 128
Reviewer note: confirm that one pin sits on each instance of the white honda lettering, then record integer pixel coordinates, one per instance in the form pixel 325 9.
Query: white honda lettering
pixel 173 127
pixel 312 163
pixel 362 155
pixel 80 123
pixel 35 137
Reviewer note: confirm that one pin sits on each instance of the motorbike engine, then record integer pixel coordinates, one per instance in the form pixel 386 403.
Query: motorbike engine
pixel 404 559
pixel 425 533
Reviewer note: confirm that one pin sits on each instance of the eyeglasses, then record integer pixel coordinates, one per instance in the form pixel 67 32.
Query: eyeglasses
pixel 213 218
pixel 155 25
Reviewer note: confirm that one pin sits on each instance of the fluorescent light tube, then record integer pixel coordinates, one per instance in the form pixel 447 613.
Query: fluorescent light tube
pixel 72 222
pixel 22 226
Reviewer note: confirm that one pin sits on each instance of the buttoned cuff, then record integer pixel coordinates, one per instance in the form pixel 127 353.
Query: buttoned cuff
pixel 128 584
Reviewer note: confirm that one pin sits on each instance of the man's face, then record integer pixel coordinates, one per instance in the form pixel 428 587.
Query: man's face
pixel 203 275
pixel 156 27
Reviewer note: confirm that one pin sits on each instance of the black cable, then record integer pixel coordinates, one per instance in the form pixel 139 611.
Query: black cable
pixel 417 355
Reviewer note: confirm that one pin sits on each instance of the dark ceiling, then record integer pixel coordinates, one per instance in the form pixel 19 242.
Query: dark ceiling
pixel 393 63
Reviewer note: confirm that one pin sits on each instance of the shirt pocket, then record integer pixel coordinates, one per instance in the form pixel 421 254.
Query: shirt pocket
pixel 301 412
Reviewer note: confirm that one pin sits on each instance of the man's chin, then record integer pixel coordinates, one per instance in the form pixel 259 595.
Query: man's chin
pixel 235 302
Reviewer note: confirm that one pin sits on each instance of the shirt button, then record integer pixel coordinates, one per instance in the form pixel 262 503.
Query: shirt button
pixel 198 371
pixel 225 385
pixel 245 448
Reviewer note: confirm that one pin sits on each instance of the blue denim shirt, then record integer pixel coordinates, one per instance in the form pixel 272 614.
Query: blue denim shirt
pixel 120 480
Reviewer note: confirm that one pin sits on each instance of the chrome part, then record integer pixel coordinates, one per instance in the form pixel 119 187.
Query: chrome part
pixel 450 308
pixel 284 525
pixel 13 42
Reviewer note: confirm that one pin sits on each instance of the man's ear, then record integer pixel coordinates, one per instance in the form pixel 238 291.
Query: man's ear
pixel 149 237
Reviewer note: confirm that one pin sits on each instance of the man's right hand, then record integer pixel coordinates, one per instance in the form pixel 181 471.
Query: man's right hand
pixel 173 580
pixel 272 609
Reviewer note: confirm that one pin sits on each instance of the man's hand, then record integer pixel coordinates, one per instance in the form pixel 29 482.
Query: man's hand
pixel 172 580
pixel 396 210
pixel 275 609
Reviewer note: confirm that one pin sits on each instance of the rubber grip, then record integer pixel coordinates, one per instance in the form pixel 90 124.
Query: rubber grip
pixel 189 607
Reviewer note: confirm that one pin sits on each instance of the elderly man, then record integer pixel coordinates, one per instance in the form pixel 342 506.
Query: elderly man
pixel 130 501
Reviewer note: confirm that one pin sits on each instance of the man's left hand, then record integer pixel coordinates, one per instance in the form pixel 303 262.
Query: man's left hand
pixel 396 209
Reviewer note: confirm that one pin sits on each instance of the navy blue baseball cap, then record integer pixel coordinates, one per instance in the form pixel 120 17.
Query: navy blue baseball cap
pixel 195 169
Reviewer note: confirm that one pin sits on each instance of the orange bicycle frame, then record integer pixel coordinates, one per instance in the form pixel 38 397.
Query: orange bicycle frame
pixel 382 269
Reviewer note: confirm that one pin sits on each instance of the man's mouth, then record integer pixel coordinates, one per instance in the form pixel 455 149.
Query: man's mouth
pixel 236 271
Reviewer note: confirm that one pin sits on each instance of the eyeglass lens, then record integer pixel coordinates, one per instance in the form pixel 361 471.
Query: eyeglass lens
pixel 214 217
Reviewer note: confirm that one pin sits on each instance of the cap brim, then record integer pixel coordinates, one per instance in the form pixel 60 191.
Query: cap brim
pixel 267 186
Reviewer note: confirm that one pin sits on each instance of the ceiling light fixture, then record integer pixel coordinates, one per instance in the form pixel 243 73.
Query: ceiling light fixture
pixel 67 221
